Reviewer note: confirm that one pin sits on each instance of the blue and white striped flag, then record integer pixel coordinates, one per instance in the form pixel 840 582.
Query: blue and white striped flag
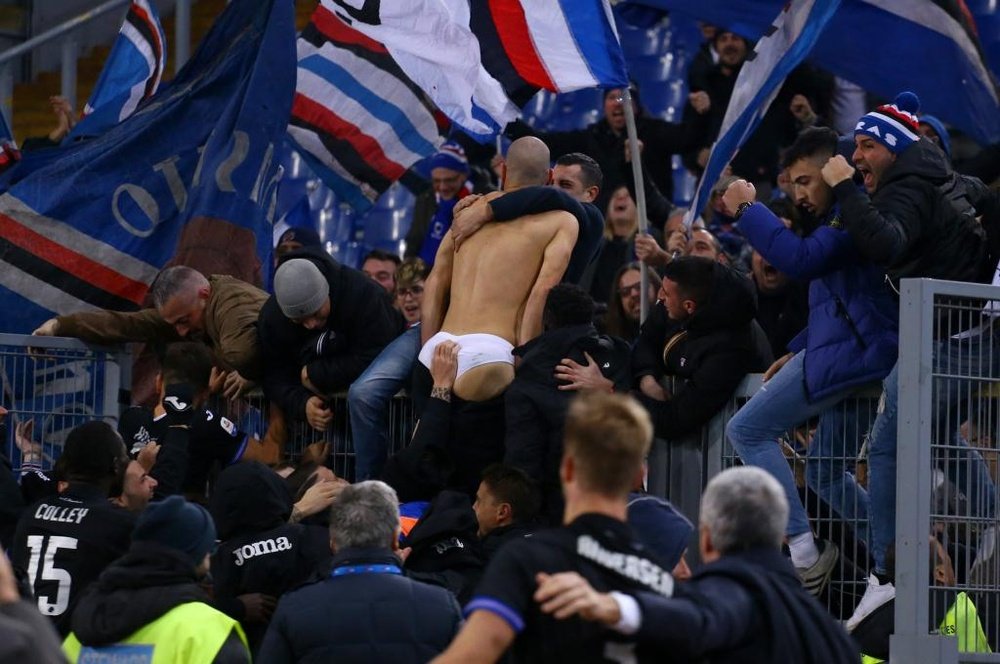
pixel 131 74
pixel 789 40
pixel 357 118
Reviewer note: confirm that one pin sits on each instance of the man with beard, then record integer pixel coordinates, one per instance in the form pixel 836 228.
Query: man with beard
pixel 850 340
pixel 758 158
pixel 916 218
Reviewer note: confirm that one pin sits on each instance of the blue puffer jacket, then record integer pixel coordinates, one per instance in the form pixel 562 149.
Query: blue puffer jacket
pixel 852 336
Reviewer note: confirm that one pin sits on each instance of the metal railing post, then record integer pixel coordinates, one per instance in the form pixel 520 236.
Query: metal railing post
pixel 182 26
pixel 7 94
pixel 68 85
pixel 911 640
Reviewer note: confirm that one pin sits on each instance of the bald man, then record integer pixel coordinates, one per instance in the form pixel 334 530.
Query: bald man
pixel 489 297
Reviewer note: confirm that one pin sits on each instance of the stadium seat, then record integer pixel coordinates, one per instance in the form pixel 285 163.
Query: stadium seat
pixel 651 69
pixel 637 43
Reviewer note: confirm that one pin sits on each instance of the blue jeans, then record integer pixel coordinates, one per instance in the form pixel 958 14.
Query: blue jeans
pixel 368 402
pixel 781 404
pixel 963 466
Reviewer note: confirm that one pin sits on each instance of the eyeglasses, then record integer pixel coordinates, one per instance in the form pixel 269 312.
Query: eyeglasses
pixel 415 291
pixel 625 291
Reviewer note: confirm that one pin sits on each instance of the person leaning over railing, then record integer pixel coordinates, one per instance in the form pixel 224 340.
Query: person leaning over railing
pixel 703 335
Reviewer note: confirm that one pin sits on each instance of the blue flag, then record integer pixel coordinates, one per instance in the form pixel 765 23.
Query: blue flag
pixel 131 74
pixel 188 179
pixel 792 36
pixel 886 46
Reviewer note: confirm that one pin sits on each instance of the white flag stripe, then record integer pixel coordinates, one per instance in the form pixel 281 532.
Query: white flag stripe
pixel 381 84
pixel 556 47
pixel 81 243
pixel 40 292
pixel 311 143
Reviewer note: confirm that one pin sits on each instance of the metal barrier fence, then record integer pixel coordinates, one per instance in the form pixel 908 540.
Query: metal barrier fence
pixel 946 473
pixel 946 464
pixel 59 384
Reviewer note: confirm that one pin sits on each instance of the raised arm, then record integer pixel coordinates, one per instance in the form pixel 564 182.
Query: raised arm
pixel 554 263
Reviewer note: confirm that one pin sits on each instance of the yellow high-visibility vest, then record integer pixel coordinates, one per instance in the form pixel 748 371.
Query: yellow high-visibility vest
pixel 961 621
pixel 191 633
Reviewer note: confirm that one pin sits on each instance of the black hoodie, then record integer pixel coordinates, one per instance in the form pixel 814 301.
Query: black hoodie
pixel 707 354
pixel 536 407
pixel 137 589
pixel 362 322
pixel 920 221
pixel 260 552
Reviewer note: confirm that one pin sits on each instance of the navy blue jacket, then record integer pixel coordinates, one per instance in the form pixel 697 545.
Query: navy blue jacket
pixel 852 336
pixel 744 607
pixel 362 617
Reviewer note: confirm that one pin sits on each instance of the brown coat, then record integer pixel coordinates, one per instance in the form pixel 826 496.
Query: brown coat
pixel 230 325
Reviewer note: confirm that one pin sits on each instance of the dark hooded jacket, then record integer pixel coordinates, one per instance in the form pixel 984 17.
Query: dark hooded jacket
pixel 362 322
pixel 707 354
pixel 921 220
pixel 138 588
pixel 745 607
pixel 536 407
pixel 260 551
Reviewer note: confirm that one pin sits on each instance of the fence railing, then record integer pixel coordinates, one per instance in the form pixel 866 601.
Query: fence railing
pixel 946 465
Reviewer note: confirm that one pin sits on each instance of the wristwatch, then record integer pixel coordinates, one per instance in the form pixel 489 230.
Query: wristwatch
pixel 741 208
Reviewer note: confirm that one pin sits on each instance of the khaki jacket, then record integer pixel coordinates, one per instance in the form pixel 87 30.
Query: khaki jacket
pixel 230 325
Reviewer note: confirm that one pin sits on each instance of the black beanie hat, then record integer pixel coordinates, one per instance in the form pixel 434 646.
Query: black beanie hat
pixel 177 524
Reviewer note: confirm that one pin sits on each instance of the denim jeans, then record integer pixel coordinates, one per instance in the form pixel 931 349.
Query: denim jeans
pixel 781 404
pixel 964 466
pixel 368 401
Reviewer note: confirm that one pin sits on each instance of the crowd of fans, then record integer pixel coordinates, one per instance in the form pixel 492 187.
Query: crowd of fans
pixel 516 519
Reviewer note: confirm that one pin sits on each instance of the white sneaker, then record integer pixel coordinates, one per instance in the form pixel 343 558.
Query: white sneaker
pixel 876 594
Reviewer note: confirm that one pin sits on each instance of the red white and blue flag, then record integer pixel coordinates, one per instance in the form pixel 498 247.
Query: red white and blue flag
pixel 131 74
pixel 357 118
pixel 481 61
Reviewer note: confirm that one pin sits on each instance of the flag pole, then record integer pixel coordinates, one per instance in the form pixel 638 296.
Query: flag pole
pixel 640 196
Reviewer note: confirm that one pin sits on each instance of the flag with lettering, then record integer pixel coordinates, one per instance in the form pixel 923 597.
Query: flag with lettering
pixel 190 178
pixel 131 74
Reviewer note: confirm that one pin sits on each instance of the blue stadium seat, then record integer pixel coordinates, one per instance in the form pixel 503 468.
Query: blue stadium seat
pixel 348 253
pixel 539 108
pixel 652 69
pixel 573 120
pixel 396 196
pixel 637 42
pixel 658 97
pixel 685 184
pixel 384 226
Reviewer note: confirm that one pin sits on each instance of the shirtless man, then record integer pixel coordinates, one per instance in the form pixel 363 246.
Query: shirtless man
pixel 489 297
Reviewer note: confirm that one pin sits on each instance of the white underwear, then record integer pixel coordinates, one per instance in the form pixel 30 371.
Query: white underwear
pixel 474 350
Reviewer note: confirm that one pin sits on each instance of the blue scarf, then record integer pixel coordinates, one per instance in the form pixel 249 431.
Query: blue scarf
pixel 440 224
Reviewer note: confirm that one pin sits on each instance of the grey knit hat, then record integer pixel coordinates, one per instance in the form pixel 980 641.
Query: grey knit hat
pixel 300 288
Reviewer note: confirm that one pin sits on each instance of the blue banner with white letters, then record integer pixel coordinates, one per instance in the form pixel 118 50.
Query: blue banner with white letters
pixel 188 179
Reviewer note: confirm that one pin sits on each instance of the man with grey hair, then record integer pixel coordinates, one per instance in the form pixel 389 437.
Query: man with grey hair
pixel 365 610
pixel 746 604
pixel 221 311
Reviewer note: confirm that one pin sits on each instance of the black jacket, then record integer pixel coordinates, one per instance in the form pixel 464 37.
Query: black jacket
pixel 745 607
pixel 260 551
pixel 362 617
pixel 535 200
pixel 362 322
pixel 707 354
pixel 910 227
pixel 536 407
pixel 140 587
pixel 660 140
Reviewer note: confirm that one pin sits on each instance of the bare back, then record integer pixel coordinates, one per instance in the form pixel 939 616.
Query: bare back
pixel 496 270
